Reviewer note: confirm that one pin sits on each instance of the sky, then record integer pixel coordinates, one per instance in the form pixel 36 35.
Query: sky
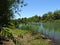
pixel 39 7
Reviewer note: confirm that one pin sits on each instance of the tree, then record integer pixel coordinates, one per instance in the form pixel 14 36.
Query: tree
pixel 48 16
pixel 7 8
pixel 57 14
pixel 45 17
pixel 51 16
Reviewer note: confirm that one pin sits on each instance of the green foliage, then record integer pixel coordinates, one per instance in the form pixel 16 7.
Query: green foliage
pixel 57 14
pixel 31 19
pixel 7 8
pixel 47 17
pixel 30 27
pixel 16 31
pixel 51 16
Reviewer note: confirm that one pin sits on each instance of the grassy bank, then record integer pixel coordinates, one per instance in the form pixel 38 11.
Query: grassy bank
pixel 25 37
pixel 49 21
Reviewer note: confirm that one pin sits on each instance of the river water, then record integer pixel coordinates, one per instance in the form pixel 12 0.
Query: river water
pixel 52 30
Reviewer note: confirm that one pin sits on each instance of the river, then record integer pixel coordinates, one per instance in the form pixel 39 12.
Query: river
pixel 52 30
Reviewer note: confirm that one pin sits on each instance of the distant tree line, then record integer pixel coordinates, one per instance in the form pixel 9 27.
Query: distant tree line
pixel 30 19
pixel 47 16
pixel 51 15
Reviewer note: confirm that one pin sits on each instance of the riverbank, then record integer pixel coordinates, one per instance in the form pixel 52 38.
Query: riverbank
pixel 25 37
pixel 50 21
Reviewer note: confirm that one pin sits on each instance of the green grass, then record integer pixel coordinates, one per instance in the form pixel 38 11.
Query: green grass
pixel 57 21
pixel 49 21
pixel 27 37
pixel 16 31
pixel 39 42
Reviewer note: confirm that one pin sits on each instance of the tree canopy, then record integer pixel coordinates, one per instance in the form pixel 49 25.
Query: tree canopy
pixel 7 8
pixel 51 15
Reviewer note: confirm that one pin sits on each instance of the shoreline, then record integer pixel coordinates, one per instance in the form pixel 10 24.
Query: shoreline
pixel 48 39
pixel 29 38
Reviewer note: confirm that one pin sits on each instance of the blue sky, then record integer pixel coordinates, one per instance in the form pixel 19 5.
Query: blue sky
pixel 39 7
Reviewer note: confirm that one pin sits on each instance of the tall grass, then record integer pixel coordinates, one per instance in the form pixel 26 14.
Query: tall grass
pixel 31 27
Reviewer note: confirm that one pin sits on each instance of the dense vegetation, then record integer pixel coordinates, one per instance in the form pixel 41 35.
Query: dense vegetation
pixel 50 16
pixel 8 25
pixel 7 10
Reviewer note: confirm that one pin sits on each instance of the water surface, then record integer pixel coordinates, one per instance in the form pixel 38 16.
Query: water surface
pixel 52 30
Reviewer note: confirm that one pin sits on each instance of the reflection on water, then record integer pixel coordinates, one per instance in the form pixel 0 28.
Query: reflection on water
pixel 52 30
